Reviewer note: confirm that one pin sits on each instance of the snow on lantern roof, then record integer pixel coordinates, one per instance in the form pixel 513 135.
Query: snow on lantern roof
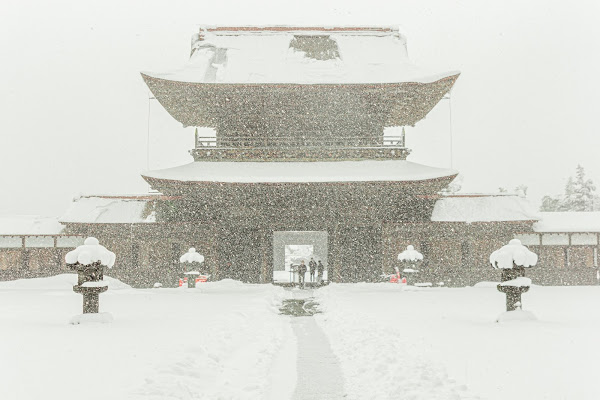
pixel 191 256
pixel 317 171
pixel 301 55
pixel 410 254
pixel 29 225
pixel 568 222
pixel 483 208
pixel 514 253
pixel 90 252
pixel 111 210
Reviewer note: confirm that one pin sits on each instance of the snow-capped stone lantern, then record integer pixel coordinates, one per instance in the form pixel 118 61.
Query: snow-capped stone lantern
pixel 89 260
pixel 193 260
pixel 410 259
pixel 512 259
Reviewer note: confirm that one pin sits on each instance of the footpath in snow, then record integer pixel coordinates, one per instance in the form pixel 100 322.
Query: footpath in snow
pixel 319 375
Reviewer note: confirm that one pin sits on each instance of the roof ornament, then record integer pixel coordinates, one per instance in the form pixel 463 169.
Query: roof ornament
pixel 317 47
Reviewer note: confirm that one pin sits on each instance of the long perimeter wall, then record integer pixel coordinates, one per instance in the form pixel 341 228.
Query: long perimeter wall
pixel 455 253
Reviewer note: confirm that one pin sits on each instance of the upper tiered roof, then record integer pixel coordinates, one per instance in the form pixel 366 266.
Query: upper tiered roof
pixel 272 79
pixel 302 55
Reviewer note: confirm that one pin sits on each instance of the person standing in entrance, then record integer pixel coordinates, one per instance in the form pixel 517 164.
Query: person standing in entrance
pixel 312 266
pixel 302 273
pixel 320 269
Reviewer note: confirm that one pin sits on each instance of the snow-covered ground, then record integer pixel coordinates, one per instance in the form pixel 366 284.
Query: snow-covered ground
pixel 219 342
pixel 228 341
pixel 443 343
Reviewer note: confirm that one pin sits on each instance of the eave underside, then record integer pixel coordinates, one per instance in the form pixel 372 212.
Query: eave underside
pixel 364 201
pixel 281 109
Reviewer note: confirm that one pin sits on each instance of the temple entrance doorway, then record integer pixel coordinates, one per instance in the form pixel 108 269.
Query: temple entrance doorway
pixel 291 248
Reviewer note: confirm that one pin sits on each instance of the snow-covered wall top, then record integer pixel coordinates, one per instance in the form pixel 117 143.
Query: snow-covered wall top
pixel 107 210
pixel 300 55
pixel 29 225
pixel 483 208
pixel 319 171
pixel 568 222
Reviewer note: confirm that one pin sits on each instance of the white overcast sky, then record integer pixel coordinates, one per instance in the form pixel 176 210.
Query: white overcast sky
pixel 74 111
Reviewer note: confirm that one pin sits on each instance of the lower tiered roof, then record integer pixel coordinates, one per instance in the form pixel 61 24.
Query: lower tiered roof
pixel 300 172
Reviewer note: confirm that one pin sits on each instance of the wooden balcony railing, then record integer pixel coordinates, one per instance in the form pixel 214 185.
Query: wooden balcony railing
pixel 296 142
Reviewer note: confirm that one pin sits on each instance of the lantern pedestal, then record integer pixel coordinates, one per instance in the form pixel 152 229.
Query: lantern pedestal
pixel 513 295
pixel 410 271
pixel 91 301
pixel 192 275
pixel 513 292
pixel 89 284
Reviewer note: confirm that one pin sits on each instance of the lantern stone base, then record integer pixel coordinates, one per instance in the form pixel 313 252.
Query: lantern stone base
pixel 411 276
pixel 192 278
pixel 90 297
pixel 516 316
pixel 98 318
pixel 513 295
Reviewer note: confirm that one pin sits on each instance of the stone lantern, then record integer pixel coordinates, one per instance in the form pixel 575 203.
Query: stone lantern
pixel 89 261
pixel 410 259
pixel 512 259
pixel 192 261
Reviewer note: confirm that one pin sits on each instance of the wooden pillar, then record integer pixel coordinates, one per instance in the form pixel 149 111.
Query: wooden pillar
pixel 334 267
pixel 267 256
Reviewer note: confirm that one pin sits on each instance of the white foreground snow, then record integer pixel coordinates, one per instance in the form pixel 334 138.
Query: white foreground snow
pixel 444 343
pixel 92 318
pixel 218 343
pixel 228 341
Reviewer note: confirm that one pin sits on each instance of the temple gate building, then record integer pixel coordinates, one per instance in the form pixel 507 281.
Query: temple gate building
pixel 300 155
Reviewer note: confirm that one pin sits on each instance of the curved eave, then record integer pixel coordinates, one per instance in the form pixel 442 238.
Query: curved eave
pixel 207 104
pixel 202 177
pixel 161 182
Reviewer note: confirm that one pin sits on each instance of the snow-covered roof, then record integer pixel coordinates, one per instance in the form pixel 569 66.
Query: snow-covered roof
pixel 483 208
pixel 514 253
pixel 568 222
pixel 191 256
pixel 300 55
pixel 110 210
pixel 318 171
pixel 89 252
pixel 410 254
pixel 29 225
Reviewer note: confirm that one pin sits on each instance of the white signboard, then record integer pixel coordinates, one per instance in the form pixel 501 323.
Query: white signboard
pixel 529 239
pixel 39 241
pixel 555 239
pixel 590 239
pixel 11 241
pixel 69 241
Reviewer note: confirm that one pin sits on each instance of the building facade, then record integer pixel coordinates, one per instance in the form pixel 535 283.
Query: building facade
pixel 300 144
